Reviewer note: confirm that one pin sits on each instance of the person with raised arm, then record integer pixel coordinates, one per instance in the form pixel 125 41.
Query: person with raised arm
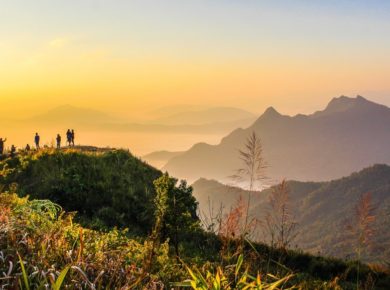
pixel 2 141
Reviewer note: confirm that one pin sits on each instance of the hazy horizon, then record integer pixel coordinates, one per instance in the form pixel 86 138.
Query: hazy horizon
pixel 141 136
pixel 130 57
pixel 139 61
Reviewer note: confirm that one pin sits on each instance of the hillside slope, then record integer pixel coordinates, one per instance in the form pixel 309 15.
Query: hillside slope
pixel 106 187
pixel 110 189
pixel 350 134
pixel 321 209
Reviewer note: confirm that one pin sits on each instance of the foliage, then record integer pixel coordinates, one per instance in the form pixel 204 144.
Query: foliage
pixel 41 246
pixel 361 228
pixel 225 279
pixel 320 210
pixel 108 189
pixel 279 222
pixel 181 220
pixel 56 251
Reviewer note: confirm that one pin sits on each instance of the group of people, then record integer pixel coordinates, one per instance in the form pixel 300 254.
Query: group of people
pixel 69 141
pixel 12 151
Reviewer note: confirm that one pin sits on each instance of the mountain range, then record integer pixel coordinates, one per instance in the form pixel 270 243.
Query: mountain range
pixel 71 115
pixel 320 209
pixel 207 116
pixel 211 120
pixel 348 135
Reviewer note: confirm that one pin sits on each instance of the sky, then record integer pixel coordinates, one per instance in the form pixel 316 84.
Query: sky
pixel 128 57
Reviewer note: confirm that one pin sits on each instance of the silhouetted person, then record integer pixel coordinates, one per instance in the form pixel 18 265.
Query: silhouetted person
pixel 2 146
pixel 69 137
pixel 58 139
pixel 13 151
pixel 28 148
pixel 37 139
pixel 72 137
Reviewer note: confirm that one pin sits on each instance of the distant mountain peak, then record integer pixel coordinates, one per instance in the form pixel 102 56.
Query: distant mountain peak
pixel 271 112
pixel 359 97
pixel 344 103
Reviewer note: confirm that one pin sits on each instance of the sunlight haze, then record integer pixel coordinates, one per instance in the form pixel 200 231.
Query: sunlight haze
pixel 130 58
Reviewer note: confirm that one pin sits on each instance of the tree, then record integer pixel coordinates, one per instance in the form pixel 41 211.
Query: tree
pixel 163 186
pixel 175 215
pixel 181 215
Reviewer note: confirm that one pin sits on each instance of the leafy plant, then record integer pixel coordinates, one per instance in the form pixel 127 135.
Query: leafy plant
pixel 240 280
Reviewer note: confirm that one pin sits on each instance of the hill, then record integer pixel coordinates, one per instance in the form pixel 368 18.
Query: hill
pixel 105 187
pixel 320 209
pixel 159 240
pixel 70 115
pixel 348 135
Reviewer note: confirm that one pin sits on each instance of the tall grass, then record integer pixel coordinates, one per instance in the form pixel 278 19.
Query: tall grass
pixel 41 245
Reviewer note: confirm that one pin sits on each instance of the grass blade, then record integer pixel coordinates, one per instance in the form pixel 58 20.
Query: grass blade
pixel 24 273
pixel 58 283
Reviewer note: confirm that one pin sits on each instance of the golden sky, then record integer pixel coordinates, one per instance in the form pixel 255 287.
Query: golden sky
pixel 128 57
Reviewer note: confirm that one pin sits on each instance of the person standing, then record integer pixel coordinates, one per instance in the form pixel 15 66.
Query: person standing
pixel 69 137
pixel 58 139
pixel 13 151
pixel 72 137
pixel 37 140
pixel 2 141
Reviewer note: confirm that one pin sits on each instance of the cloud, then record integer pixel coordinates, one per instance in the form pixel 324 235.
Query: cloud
pixel 59 42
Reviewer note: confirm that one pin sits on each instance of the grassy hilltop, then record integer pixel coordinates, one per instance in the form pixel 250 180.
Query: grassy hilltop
pixel 106 189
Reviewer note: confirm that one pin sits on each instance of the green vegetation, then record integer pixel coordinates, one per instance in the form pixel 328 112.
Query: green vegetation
pixel 54 250
pixel 108 189
pixel 151 239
